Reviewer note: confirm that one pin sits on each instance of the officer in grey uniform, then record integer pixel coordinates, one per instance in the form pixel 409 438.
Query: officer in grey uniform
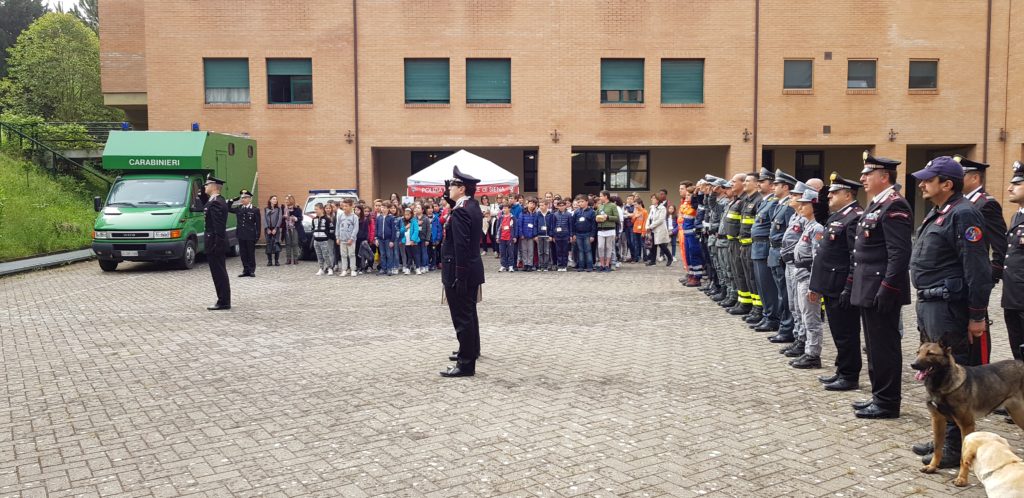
pixel 794 230
pixel 760 233
pixel 804 253
pixel 950 270
pixel 784 182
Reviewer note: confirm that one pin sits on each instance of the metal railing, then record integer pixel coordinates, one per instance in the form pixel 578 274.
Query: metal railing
pixel 98 130
pixel 43 154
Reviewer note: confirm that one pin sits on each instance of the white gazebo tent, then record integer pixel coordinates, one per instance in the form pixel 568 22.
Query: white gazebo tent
pixel 493 178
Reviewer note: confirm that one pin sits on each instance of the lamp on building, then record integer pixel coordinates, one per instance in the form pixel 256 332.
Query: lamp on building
pixel 892 134
pixel 349 136
pixel 555 136
pixel 1002 134
pixel 746 135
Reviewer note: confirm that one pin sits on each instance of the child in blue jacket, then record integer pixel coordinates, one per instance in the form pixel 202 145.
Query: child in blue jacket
pixel 526 233
pixel 561 228
pixel 436 234
pixel 584 230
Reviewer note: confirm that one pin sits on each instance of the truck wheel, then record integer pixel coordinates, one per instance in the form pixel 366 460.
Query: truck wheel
pixel 108 264
pixel 233 250
pixel 188 259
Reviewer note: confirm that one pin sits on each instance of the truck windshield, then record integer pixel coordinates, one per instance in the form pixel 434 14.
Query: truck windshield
pixel 148 192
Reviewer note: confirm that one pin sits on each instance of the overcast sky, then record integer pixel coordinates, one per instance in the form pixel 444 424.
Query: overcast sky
pixel 67 4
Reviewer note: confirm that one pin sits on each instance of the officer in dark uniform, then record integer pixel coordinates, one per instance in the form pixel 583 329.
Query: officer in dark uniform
pixel 950 270
pixel 740 302
pixel 462 271
pixel 760 232
pixel 747 216
pixel 830 278
pixel 881 283
pixel 1013 269
pixel 782 185
pixel 248 231
pixel 216 241
pixel 994 233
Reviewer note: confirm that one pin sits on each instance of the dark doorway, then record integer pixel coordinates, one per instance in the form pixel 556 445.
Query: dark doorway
pixel 810 164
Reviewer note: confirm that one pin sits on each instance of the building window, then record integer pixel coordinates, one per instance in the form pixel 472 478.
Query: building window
pixel 488 81
pixel 860 74
pixel 231 149
pixel 529 171
pixel 610 170
pixel 423 158
pixel 622 81
pixel 924 75
pixel 290 81
pixel 426 81
pixel 810 164
pixel 250 152
pixel 798 74
pixel 226 81
pixel 682 81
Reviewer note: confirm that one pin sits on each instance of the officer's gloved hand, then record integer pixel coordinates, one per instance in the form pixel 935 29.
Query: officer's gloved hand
pixel 997 273
pixel 788 258
pixel 887 299
pixel 844 299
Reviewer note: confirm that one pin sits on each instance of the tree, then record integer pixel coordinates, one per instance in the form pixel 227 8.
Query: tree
pixel 55 67
pixel 89 12
pixel 15 16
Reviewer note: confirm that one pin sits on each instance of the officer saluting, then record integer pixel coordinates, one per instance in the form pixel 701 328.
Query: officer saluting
pixel 881 283
pixel 216 241
pixel 1013 281
pixel 248 217
pixel 950 270
pixel 830 277
pixel 462 271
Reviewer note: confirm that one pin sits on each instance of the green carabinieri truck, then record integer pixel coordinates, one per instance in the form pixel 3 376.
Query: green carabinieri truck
pixel 153 211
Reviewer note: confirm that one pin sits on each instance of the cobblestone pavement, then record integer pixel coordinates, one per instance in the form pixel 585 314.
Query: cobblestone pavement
pixel 622 384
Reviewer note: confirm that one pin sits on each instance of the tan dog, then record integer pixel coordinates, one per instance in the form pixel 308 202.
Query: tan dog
pixel 996 466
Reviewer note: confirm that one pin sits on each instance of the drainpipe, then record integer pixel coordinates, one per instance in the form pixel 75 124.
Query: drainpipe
pixel 757 41
pixel 355 76
pixel 988 55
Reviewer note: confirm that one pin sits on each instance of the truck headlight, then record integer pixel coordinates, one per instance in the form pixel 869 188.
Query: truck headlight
pixel 100 235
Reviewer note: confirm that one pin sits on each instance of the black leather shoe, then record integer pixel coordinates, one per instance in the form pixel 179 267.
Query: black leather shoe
pixel 460 370
pixel 780 339
pixel 828 379
pixel 753 319
pixel 795 351
pixel 924 449
pixel 757 324
pixel 1009 420
pixel 950 459
pixel 739 310
pixel 1001 411
pixel 767 327
pixel 860 405
pixel 219 307
pixel 806 361
pixel 842 385
pixel 728 302
pixel 453 357
pixel 875 412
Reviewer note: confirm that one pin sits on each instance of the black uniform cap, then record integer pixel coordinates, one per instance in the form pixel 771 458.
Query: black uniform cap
pixel 872 163
pixel 244 193
pixel 460 178
pixel 766 174
pixel 783 177
pixel 212 179
pixel 840 183
pixel 1018 172
pixel 969 165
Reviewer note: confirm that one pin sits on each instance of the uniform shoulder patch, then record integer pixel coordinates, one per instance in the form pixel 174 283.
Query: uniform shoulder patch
pixel 972 234
pixel 899 214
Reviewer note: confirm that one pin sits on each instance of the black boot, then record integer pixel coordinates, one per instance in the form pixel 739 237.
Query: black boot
pixel 740 310
pixel 277 259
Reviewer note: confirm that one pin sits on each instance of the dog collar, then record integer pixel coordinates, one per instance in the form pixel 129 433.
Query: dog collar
pixel 988 474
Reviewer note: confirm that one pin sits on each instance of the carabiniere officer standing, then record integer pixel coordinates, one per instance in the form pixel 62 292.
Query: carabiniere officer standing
pixel 216 241
pixel 462 271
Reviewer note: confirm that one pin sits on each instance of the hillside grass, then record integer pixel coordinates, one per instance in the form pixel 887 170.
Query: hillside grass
pixel 41 213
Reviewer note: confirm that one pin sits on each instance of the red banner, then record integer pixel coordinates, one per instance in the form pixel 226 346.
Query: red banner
pixel 438 190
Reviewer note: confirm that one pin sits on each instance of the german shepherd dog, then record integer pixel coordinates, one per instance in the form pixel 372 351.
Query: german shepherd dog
pixel 963 393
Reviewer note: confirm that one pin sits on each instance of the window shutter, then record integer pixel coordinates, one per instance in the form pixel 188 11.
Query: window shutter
pixel 289 67
pixel 682 81
pixel 426 81
pixel 488 81
pixel 622 74
pixel 226 73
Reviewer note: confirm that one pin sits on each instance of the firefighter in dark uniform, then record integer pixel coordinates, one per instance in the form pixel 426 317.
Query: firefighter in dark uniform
pixel 784 182
pixel 216 241
pixel 768 321
pixel 881 283
pixel 830 278
pixel 747 216
pixel 994 233
pixel 462 271
pixel 1013 269
pixel 248 231
pixel 731 225
pixel 951 271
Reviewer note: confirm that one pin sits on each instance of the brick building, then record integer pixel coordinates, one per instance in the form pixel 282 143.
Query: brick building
pixel 633 95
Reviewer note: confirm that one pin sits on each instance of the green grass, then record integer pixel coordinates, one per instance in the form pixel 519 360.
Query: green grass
pixel 40 213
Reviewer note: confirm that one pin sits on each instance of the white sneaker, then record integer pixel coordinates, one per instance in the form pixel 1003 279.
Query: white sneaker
pixel 511 269
pixel 330 271
pixel 354 273
pixel 501 269
pixel 562 269
pixel 320 272
pixel 419 271
pixel 405 271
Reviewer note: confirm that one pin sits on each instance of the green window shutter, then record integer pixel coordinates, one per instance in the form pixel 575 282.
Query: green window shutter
pixel 426 81
pixel 488 81
pixel 226 73
pixel 797 74
pixel 622 74
pixel 682 81
pixel 289 67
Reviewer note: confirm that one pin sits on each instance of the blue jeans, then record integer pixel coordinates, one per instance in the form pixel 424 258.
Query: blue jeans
pixel 508 253
pixel 424 254
pixel 586 260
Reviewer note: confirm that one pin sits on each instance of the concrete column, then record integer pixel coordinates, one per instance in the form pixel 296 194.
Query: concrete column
pixel 554 169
